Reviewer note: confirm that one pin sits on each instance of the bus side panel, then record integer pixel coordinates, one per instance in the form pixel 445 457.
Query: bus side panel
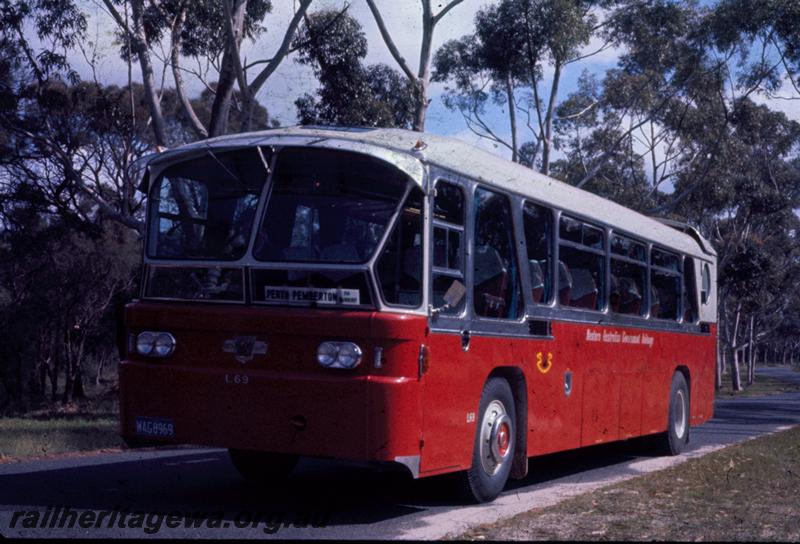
pixel 554 418
pixel 702 385
pixel 452 386
pixel 697 353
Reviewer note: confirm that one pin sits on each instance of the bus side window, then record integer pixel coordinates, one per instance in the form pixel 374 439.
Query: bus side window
pixel 400 266
pixel 538 225
pixel 628 276
pixel 447 253
pixel 581 277
pixel 690 314
pixel 496 288
pixel 665 282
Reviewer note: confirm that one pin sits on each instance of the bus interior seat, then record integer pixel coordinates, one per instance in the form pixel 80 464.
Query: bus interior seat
pixel 564 283
pixel 584 289
pixel 631 299
pixel 491 281
pixel 537 280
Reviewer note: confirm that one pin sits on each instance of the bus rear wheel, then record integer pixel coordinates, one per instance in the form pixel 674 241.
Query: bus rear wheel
pixel 677 436
pixel 261 467
pixel 493 449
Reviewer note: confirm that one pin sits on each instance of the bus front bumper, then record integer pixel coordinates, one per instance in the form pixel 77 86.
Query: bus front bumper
pixel 366 418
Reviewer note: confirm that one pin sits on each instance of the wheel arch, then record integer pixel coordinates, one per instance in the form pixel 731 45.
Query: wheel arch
pixel 519 389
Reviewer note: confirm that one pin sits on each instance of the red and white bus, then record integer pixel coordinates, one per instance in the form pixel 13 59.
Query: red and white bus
pixel 390 296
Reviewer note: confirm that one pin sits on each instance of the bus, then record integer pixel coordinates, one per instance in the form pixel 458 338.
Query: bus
pixel 389 296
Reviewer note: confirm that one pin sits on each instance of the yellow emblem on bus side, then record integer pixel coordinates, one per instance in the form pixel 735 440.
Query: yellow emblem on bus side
pixel 544 365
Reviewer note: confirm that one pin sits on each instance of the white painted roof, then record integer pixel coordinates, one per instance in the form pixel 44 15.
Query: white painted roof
pixel 398 146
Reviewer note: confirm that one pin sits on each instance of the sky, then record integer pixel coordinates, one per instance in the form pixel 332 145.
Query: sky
pixel 291 80
pixel 403 19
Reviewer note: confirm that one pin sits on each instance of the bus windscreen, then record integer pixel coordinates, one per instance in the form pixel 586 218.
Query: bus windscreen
pixel 203 208
pixel 327 206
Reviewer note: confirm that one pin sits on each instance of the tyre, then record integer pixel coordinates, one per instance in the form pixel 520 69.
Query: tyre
pixel 261 467
pixel 675 439
pixel 495 442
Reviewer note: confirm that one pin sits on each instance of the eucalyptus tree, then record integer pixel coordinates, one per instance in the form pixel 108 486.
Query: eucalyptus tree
pixel 421 78
pixel 515 43
pixel 212 33
pixel 350 93
pixel 746 205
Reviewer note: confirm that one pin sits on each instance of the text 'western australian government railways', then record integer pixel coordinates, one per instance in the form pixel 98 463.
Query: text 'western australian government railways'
pixel 614 337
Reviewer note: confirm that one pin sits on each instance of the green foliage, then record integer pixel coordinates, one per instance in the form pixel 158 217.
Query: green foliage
pixel 203 33
pixel 334 45
pixel 60 285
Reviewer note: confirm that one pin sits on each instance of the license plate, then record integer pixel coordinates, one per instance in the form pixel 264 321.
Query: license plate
pixel 155 427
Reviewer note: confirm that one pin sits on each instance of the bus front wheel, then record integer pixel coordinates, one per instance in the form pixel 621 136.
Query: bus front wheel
pixel 493 449
pixel 677 436
pixel 262 467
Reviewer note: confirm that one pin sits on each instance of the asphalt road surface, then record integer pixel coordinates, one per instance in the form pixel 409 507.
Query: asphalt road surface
pixel 197 493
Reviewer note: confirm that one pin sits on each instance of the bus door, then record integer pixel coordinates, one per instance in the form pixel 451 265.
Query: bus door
pixel 554 379
pixel 446 376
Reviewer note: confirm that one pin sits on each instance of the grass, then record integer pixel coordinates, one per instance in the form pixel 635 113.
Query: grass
pixel 87 426
pixel 762 386
pixel 746 492
pixel 29 437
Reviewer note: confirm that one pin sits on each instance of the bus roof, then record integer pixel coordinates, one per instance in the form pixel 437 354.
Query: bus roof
pixel 409 150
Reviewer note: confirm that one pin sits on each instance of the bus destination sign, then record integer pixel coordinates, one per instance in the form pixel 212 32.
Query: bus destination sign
pixel 301 295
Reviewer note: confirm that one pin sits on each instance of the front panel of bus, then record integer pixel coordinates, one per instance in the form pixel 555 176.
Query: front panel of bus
pixel 258 324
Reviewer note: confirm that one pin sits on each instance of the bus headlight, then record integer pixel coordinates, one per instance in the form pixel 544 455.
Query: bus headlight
pixel 155 344
pixel 144 343
pixel 164 345
pixel 339 354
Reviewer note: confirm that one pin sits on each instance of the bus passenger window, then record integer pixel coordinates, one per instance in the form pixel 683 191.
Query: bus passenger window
pixel 628 276
pixel 448 244
pixel 665 282
pixel 581 277
pixel 690 314
pixel 496 289
pixel 400 265
pixel 538 225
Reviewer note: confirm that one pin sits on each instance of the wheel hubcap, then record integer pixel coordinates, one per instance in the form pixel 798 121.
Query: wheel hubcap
pixel 496 437
pixel 679 409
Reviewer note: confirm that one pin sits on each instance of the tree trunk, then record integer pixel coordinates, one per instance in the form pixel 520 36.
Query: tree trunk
pixel 139 42
pixel 719 366
pixel 548 122
pixel 424 74
pixel 186 104
pixel 221 107
pixel 751 357
pixel 78 391
pixel 736 379
pixel 735 376
pixel 512 118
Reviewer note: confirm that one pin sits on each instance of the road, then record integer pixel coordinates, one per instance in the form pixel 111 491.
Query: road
pixel 134 493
